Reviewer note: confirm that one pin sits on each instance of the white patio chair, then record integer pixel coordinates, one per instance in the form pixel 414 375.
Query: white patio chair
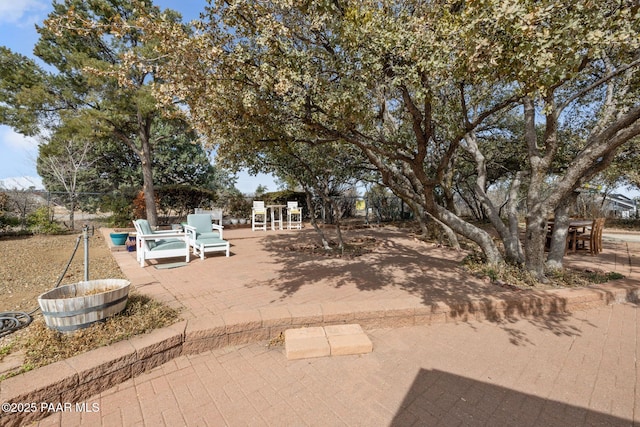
pixel 205 236
pixel 216 213
pixel 152 244
pixel 294 216
pixel 258 216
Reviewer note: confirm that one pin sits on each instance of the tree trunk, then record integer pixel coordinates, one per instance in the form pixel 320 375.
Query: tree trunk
pixel 426 199
pixel 509 235
pixel 147 180
pixel 515 245
pixel 447 186
pixel 560 231
pixel 537 204
pixel 451 235
pixel 337 217
pixel 72 210
pixel 536 223
pixel 534 242
pixel 334 211
pixel 471 232
pixel 314 222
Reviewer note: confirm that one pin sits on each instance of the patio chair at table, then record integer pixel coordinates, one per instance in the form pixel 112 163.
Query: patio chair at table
pixel 576 227
pixel 593 236
pixel 294 216
pixel 258 216
pixel 152 244
pixel 205 236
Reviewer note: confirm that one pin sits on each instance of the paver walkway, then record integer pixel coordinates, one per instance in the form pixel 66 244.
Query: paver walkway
pixel 577 369
pixel 573 371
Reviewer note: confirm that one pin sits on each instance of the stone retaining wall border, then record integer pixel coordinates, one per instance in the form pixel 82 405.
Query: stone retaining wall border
pixel 80 377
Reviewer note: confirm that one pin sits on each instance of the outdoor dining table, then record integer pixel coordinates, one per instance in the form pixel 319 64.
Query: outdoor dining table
pixel 580 223
pixel 275 220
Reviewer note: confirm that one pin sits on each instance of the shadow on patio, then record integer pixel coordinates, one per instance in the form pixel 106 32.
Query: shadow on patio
pixel 399 266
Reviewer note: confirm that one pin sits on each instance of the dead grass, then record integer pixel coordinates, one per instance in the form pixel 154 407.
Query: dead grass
pixel 35 268
pixel 42 346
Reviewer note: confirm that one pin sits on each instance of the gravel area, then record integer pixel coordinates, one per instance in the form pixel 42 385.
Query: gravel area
pixel 32 265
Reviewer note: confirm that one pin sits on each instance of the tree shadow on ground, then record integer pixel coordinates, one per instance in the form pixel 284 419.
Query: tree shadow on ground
pixel 442 398
pixel 402 265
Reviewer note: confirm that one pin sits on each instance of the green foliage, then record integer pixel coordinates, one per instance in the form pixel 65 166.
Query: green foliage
pixel 178 161
pixel 624 170
pixel 283 196
pixel 605 277
pixel 86 99
pixel 475 257
pixel 261 190
pixel 512 276
pixel 41 221
pixel 179 200
pixel 22 84
pixel 238 206
pixel 5 349
pixel 385 205
pixel 492 273
pixel 583 278
pixel 121 207
pixel 8 221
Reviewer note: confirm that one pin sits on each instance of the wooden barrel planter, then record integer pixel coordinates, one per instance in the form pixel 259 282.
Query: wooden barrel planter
pixel 77 306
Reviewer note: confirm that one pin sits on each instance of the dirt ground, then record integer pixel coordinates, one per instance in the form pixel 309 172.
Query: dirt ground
pixel 32 265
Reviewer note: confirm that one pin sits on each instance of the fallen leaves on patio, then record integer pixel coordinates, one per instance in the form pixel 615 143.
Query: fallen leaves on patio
pixel 512 277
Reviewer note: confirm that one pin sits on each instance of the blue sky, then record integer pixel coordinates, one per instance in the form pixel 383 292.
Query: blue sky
pixel 17 32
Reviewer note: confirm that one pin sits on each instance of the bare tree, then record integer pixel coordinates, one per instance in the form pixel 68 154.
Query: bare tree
pixel 66 166
pixel 22 202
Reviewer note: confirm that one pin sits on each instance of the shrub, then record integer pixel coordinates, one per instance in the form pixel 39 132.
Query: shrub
pixel 180 199
pixel 121 209
pixel 8 221
pixel 41 221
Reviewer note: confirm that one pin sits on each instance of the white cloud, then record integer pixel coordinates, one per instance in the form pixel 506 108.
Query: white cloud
pixel 18 154
pixel 21 11
pixel 16 141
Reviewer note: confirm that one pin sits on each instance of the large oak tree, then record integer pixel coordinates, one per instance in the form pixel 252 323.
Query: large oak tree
pixel 418 85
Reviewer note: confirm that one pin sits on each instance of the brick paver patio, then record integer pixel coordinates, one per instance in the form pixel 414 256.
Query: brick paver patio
pixel 570 371
pixel 447 349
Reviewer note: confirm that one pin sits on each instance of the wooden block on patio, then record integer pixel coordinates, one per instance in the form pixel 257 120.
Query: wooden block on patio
pixel 348 339
pixel 303 343
pixel 334 340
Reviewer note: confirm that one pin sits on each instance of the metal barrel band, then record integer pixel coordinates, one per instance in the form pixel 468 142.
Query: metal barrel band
pixel 70 328
pixel 85 310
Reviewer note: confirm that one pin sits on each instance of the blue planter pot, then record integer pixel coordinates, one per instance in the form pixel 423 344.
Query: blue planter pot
pixel 118 239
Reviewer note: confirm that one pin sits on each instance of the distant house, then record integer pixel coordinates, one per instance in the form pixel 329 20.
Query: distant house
pixel 619 206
